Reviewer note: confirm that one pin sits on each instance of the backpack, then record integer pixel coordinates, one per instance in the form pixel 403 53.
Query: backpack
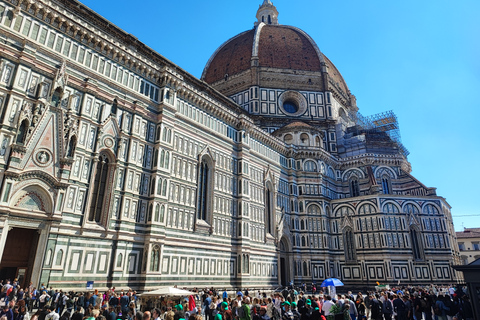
pixel 241 312
pixel 423 303
pixel 436 310
pixel 376 307
pixel 387 307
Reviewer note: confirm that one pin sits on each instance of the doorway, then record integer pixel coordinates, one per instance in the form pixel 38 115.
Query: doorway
pixel 19 255
pixel 284 263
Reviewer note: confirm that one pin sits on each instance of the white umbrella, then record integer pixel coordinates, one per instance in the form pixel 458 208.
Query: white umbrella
pixel 167 291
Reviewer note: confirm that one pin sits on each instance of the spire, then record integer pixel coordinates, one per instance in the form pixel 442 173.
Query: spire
pixel 267 13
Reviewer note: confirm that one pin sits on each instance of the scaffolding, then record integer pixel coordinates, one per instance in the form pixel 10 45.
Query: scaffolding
pixel 382 122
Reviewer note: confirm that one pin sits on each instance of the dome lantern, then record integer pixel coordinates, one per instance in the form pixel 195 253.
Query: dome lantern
pixel 267 13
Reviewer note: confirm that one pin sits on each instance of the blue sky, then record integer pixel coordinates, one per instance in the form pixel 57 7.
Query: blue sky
pixel 417 58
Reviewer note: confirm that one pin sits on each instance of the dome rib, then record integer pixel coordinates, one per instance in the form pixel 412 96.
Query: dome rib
pixel 283 47
pixel 232 57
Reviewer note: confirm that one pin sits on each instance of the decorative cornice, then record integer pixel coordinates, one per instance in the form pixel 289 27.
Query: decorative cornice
pixel 37 174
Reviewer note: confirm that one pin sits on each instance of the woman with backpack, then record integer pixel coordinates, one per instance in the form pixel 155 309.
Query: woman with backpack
pixel 440 309
pixel 387 308
pixel 428 306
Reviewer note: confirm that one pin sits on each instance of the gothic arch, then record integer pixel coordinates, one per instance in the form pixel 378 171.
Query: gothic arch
pixel 416 242
pixel 205 183
pixel 411 207
pixel 100 193
pixel 72 145
pixel 269 207
pixel 390 207
pixel 380 171
pixel 310 166
pixel 352 172
pixel 314 209
pixel 349 244
pixel 344 210
pixel 429 208
pixel 33 196
pixel 366 208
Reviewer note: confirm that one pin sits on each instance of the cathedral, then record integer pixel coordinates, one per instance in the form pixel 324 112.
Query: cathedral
pixel 119 167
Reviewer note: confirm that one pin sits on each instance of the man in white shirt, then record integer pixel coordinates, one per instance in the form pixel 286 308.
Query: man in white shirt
pixel 327 305
pixel 451 291
pixel 52 315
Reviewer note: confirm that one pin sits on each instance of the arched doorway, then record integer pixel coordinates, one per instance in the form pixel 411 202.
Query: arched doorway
pixel 284 262
pixel 19 255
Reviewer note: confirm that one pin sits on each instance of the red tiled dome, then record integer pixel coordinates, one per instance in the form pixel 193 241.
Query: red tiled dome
pixel 231 58
pixel 281 47
pixel 286 48
pixel 272 47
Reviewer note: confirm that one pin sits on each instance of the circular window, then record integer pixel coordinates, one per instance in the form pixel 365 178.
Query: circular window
pixel 292 103
pixel 290 106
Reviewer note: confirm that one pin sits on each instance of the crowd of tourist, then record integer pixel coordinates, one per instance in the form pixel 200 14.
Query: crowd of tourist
pixel 412 303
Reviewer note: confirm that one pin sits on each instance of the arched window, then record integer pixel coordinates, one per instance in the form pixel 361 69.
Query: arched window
pixel 269 210
pixel 167 160
pixel 22 132
pixel 411 208
pixel 302 225
pixel 164 188
pixel 304 139
pixel 162 159
pixel 57 95
pixel 309 166
pixel 314 209
pixel 59 259
pixel 305 268
pixel 416 244
pixel 205 188
pixel 390 208
pixel 72 144
pixel 98 199
pixel 366 209
pixel 344 211
pixel 349 245
pixel 157 213
pixel 159 186
pixel 119 260
pixel 354 187
pixel 155 259
pixel 386 184
pixel 430 209
pixel 269 19
pixel 162 213
pixel 304 243
pixel 288 138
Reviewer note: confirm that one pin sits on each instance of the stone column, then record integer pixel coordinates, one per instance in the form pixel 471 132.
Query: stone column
pixel 40 253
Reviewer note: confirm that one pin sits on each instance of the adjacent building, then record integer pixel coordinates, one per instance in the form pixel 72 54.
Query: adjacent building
pixel 121 168
pixel 469 244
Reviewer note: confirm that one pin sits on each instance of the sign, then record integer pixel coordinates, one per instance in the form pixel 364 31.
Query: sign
pixel 89 285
